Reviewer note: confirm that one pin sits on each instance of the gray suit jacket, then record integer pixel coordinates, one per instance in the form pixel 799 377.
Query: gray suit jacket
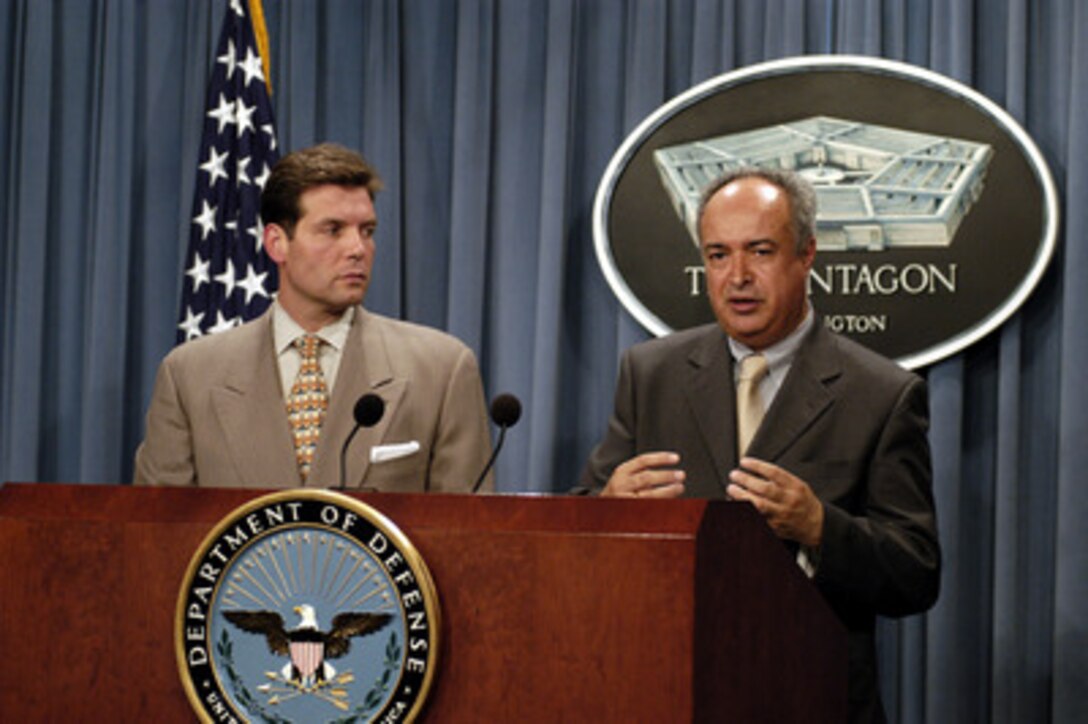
pixel 217 416
pixel 847 421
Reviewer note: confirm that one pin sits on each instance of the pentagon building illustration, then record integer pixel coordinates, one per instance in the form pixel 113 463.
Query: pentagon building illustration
pixel 877 187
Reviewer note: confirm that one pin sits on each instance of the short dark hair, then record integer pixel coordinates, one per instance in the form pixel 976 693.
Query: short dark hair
pixel 307 168
pixel 799 193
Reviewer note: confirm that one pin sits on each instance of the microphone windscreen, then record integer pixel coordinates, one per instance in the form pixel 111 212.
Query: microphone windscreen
pixel 368 410
pixel 505 410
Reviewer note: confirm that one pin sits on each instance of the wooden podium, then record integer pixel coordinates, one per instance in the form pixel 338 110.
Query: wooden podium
pixel 553 608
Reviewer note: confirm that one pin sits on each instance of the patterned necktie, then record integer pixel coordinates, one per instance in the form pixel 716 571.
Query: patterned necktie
pixel 753 369
pixel 307 403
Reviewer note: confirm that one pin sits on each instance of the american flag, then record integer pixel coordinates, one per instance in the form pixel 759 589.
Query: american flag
pixel 228 276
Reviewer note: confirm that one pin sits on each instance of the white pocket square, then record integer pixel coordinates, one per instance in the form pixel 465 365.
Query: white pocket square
pixel 385 453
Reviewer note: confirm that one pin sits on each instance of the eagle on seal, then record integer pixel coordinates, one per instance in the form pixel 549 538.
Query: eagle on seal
pixel 306 645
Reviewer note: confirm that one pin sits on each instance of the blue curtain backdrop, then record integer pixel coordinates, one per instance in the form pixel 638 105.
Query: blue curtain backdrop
pixel 492 122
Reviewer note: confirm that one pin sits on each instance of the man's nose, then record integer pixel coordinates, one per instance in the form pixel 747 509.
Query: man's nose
pixel 739 273
pixel 357 242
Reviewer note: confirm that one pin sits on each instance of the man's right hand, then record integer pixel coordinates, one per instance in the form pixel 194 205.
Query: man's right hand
pixel 649 475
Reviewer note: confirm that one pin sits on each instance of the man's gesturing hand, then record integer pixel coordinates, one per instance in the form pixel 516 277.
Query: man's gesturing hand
pixel 649 475
pixel 787 503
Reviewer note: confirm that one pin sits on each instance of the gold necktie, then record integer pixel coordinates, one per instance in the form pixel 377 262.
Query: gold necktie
pixel 307 403
pixel 753 369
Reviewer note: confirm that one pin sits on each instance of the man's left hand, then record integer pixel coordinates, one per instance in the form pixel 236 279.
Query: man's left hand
pixel 786 502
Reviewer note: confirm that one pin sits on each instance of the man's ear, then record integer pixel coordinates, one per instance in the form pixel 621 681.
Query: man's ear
pixel 275 242
pixel 808 255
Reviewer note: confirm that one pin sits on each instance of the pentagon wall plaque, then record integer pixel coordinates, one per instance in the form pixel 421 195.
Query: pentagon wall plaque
pixel 937 213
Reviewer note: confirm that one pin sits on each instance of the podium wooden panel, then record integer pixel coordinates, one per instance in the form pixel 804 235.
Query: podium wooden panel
pixel 553 608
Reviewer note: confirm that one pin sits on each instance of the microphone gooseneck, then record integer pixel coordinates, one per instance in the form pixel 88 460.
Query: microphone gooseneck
pixel 505 412
pixel 367 412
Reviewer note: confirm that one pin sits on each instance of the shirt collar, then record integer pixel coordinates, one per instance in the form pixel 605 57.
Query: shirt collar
pixel 782 351
pixel 286 330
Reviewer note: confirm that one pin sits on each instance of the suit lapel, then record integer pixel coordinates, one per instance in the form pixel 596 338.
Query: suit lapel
pixel 252 422
pixel 805 395
pixel 365 367
pixel 710 396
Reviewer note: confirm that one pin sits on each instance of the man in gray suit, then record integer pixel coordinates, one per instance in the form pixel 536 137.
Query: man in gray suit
pixel 219 413
pixel 839 466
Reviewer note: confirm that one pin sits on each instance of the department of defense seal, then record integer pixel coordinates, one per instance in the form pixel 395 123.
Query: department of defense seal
pixel 306 606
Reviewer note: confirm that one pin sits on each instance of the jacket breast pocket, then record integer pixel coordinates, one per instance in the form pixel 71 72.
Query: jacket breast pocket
pixel 405 474
pixel 833 481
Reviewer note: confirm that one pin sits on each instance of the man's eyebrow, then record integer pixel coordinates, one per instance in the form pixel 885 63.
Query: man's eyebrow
pixel 760 242
pixel 344 222
pixel 747 245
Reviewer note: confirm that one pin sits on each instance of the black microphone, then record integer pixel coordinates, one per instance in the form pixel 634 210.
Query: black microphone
pixel 505 412
pixel 368 410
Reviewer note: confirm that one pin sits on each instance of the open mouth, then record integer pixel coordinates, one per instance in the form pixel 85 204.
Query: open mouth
pixel 743 305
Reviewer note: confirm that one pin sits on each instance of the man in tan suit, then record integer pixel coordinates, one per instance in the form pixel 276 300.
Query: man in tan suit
pixel 219 411
pixel 838 466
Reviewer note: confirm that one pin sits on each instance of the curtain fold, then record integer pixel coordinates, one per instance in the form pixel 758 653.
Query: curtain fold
pixel 491 123
pixel 1070 632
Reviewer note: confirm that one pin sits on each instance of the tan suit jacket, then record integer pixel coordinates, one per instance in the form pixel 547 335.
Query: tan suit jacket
pixel 850 423
pixel 217 416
